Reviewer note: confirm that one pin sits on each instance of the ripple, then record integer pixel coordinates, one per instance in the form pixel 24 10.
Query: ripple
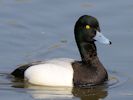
pixel 116 79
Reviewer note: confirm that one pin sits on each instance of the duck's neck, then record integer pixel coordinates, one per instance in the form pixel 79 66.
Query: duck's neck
pixel 87 51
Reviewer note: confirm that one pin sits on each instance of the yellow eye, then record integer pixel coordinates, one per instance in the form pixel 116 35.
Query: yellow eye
pixel 87 26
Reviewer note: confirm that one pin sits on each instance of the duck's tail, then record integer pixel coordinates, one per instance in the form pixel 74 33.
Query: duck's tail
pixel 19 72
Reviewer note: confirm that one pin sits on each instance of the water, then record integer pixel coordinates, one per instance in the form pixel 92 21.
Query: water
pixel 33 30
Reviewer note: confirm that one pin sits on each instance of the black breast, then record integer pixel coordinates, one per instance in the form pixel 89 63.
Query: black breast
pixel 85 74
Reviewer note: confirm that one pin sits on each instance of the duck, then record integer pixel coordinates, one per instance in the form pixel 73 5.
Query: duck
pixel 66 71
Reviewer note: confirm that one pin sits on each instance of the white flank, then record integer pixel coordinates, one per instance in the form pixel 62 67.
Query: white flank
pixel 56 72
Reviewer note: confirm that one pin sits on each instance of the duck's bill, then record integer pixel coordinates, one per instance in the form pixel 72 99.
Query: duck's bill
pixel 101 38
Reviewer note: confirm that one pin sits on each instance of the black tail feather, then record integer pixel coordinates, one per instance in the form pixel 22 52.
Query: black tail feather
pixel 19 72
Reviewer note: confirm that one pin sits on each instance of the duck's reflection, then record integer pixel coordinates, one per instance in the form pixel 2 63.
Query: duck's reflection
pixel 95 93
pixel 61 93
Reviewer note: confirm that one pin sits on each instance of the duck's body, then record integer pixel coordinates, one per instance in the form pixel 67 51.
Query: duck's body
pixel 61 72
pixel 69 72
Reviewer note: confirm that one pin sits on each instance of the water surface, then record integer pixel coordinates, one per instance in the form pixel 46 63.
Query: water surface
pixel 33 30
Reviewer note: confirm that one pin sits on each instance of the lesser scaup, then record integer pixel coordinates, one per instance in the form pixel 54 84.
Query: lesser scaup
pixel 69 72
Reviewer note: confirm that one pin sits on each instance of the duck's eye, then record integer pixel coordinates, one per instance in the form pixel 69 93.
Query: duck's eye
pixel 87 27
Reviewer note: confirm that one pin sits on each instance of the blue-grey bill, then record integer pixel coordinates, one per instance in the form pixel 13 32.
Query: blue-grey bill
pixel 101 38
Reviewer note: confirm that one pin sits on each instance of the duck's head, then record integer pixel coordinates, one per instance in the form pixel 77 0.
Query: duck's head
pixel 87 29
